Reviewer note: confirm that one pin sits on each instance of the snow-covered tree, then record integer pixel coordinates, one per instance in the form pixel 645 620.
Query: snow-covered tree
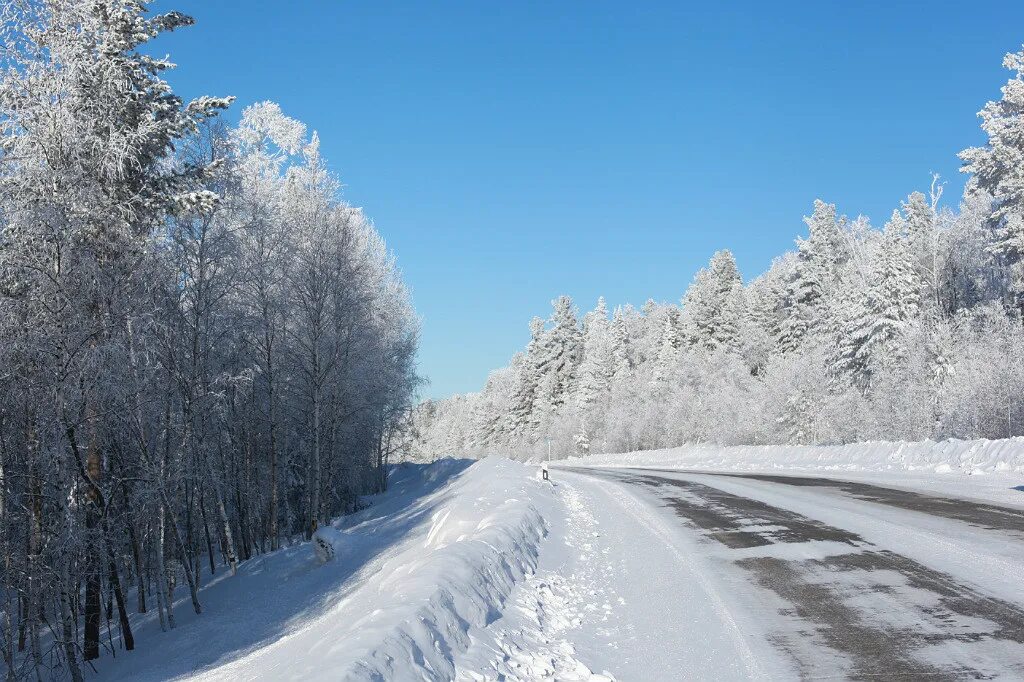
pixel 524 410
pixel 669 344
pixel 814 277
pixel 598 365
pixel 998 169
pixel 203 349
pixel 860 333
pixel 562 351
pixel 712 307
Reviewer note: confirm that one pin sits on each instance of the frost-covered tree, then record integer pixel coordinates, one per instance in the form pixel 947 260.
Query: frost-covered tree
pixel 669 344
pixel 598 365
pixel 89 129
pixel 202 347
pixel 562 351
pixel 524 409
pixel 622 355
pixel 998 169
pixel 712 308
pixel 813 282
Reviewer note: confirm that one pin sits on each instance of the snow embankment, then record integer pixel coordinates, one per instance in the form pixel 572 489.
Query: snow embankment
pixel 410 616
pixel 948 456
pixel 433 559
pixel 456 574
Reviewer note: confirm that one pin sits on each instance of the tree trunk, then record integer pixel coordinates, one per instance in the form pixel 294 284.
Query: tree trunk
pixel 206 532
pixel 163 605
pixel 67 620
pixel 93 611
pixel 133 538
pixel 315 504
pixel 122 612
pixel 222 511
pixel 180 544
pixel 274 543
pixel 93 565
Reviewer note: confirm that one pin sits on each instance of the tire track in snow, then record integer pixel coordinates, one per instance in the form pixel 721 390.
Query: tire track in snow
pixel 667 533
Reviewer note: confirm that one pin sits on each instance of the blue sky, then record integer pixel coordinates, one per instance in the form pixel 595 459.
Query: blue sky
pixel 510 152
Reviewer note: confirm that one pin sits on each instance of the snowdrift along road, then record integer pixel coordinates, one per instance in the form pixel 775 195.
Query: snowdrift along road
pixel 435 556
pixel 948 456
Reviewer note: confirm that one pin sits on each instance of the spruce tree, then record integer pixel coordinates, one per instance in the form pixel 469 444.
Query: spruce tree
pixel 669 347
pixel 622 357
pixel 523 412
pixel 712 307
pixel 561 354
pixel 818 260
pixel 598 365
pixel 998 169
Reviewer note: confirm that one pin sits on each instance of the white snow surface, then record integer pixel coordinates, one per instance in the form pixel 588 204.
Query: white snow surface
pixel 989 470
pixel 434 558
pixel 482 571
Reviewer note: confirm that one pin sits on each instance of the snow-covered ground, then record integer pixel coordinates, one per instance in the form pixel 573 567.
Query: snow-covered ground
pixel 630 597
pixel 432 560
pixel 676 564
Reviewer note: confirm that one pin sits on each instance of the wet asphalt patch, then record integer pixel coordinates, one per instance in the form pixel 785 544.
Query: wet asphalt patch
pixel 866 613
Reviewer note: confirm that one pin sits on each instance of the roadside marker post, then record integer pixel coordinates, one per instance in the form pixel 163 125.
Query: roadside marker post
pixel 544 467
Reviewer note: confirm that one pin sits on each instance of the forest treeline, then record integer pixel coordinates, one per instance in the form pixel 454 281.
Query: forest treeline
pixel 203 351
pixel 907 332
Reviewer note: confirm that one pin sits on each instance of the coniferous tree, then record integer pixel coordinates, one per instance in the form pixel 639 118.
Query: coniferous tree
pixel 523 413
pixel 562 353
pixel 598 364
pixel 998 169
pixel 818 258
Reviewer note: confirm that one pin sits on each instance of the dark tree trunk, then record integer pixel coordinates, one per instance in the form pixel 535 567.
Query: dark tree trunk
pixel 122 612
pixel 93 606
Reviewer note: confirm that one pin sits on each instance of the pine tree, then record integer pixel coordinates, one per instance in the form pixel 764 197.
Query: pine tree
pixel 712 306
pixel 998 169
pixel 848 362
pixel 598 365
pixel 873 321
pixel 921 224
pixel 669 346
pixel 622 357
pixel 818 260
pixel 562 353
pixel 894 298
pixel 523 412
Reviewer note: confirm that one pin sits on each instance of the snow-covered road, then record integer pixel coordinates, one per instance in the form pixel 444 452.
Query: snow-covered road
pixel 673 575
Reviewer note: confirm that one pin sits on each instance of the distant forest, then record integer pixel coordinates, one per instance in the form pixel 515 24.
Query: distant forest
pixel 907 332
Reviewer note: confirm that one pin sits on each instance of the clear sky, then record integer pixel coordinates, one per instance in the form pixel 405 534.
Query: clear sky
pixel 513 151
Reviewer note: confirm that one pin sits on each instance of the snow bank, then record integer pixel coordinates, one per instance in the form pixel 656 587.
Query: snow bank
pixel 409 614
pixel 430 560
pixel 948 456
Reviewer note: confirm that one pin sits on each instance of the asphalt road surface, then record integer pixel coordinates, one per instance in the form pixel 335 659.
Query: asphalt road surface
pixel 842 580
